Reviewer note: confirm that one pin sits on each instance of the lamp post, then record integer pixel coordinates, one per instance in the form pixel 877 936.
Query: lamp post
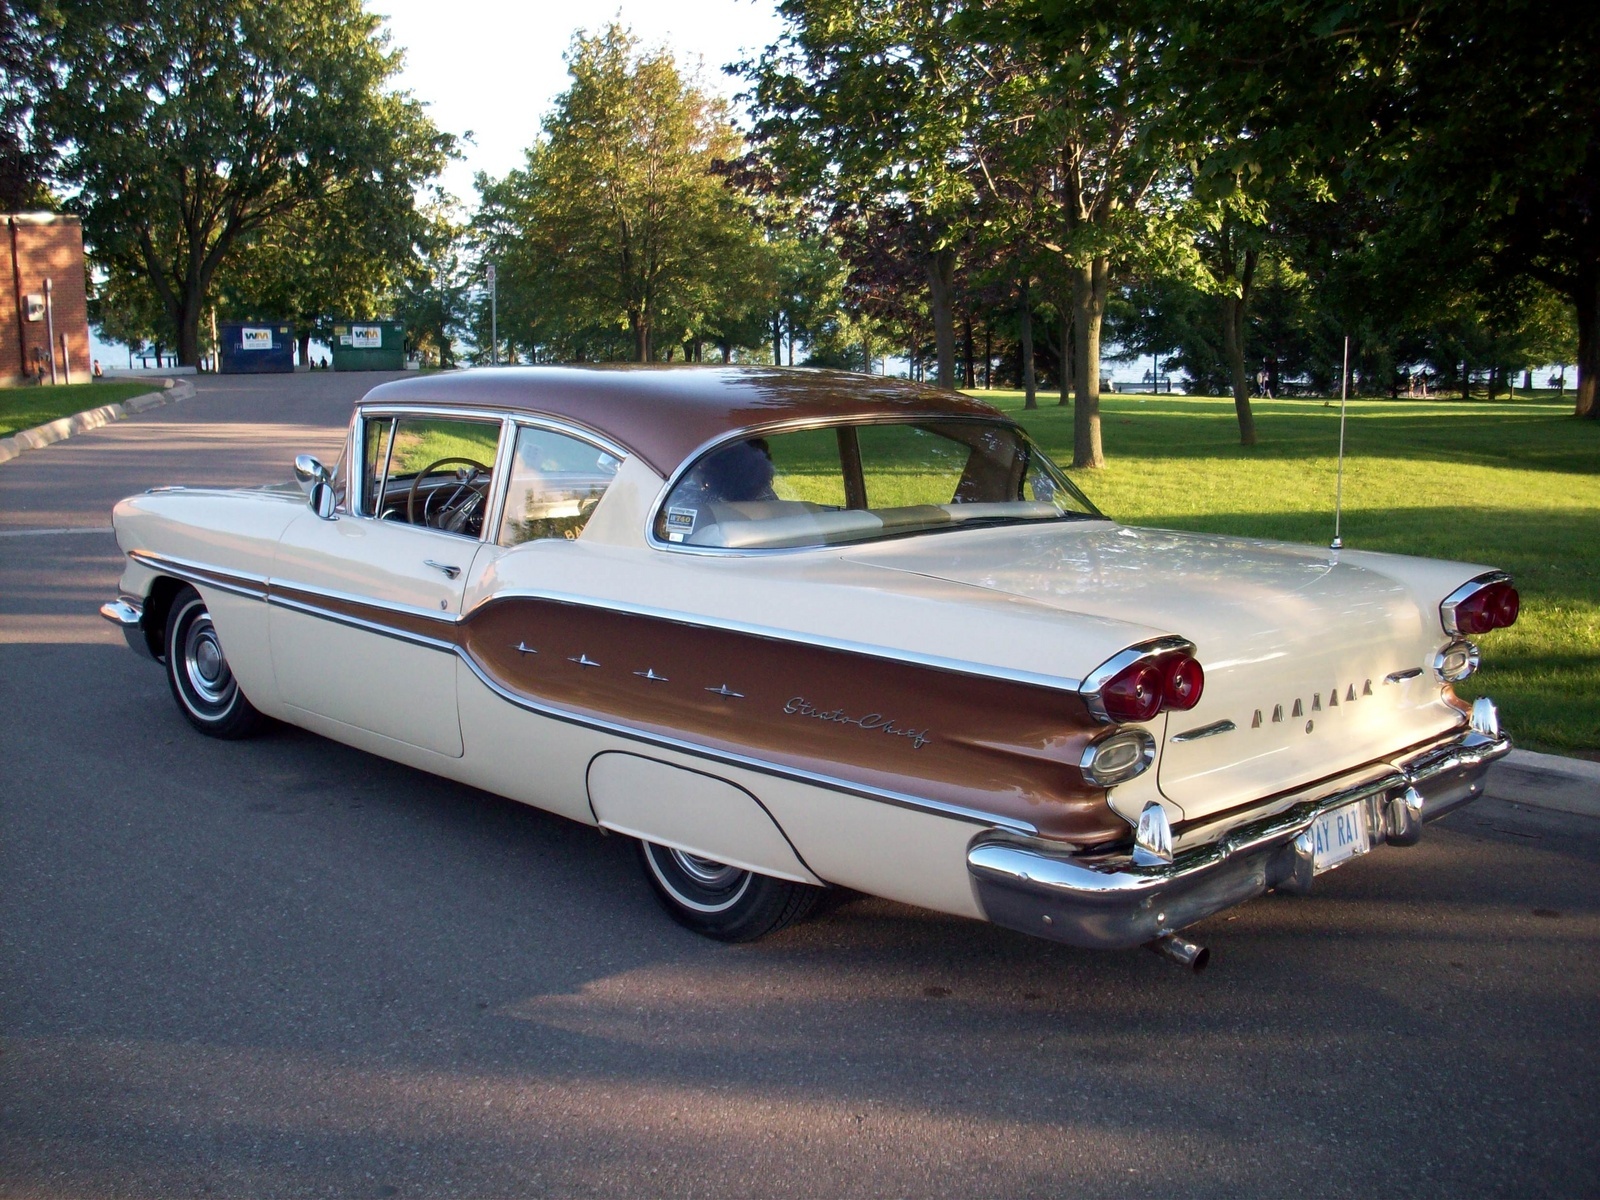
pixel 494 319
pixel 50 325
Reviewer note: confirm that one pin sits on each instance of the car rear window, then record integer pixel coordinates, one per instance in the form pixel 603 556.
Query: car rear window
pixel 850 483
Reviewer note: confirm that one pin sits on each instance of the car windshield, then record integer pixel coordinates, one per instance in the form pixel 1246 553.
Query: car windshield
pixel 851 483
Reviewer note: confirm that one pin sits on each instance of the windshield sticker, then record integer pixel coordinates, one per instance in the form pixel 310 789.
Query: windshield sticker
pixel 680 523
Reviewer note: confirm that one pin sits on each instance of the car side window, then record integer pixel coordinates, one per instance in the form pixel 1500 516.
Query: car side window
pixel 555 483
pixel 431 471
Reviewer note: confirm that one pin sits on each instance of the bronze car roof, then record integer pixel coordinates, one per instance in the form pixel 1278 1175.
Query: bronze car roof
pixel 664 413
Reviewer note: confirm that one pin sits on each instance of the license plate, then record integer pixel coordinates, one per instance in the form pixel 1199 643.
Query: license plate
pixel 1339 834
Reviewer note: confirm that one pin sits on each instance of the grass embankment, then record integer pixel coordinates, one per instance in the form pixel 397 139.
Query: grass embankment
pixel 1513 485
pixel 24 407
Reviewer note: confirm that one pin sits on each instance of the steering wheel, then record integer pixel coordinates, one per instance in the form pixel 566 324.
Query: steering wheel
pixel 459 504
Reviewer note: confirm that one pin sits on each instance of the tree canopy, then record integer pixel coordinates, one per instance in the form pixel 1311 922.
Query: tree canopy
pixel 192 129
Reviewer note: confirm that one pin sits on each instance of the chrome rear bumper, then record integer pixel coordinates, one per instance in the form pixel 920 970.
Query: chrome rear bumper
pixel 1109 902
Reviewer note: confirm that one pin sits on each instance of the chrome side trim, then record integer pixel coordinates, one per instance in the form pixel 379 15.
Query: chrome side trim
pixel 259 585
pixel 761 766
pixel 1205 731
pixel 355 622
pixel 1448 606
pixel 1121 661
pixel 240 583
pixel 1059 683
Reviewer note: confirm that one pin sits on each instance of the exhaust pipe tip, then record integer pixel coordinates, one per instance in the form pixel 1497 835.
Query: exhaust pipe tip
pixel 1181 951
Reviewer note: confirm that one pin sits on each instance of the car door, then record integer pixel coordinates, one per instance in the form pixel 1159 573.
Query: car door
pixel 365 606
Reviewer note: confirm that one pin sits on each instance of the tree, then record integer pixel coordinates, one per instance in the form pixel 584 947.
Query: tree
pixel 868 105
pixel 191 127
pixel 623 218
pixel 24 72
pixel 1099 102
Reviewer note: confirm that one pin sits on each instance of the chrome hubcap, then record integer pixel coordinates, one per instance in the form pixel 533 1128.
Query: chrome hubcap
pixel 708 873
pixel 203 663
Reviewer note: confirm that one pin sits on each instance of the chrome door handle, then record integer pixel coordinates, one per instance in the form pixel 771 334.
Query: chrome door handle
pixel 449 571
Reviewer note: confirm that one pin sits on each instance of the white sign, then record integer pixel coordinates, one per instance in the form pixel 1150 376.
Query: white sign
pixel 489 274
pixel 255 339
pixel 366 337
pixel 35 306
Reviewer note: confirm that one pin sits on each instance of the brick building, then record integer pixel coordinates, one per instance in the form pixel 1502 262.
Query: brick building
pixel 35 247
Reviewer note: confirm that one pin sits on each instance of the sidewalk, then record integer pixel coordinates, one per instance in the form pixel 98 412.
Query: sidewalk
pixel 64 427
pixel 1549 781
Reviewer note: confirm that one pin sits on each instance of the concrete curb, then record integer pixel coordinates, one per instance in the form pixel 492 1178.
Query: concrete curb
pixel 1548 781
pixel 62 428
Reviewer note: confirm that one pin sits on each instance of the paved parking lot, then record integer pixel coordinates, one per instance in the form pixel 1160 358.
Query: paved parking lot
pixel 285 968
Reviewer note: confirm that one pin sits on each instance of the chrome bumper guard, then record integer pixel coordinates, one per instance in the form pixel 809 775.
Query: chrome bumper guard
pixel 1109 902
pixel 128 615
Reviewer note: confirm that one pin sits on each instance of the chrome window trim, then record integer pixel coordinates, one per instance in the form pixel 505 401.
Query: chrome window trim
pixel 1121 661
pixel 1448 606
pixel 800 424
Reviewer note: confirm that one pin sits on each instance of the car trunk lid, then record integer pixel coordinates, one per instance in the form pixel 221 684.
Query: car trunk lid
pixel 1311 669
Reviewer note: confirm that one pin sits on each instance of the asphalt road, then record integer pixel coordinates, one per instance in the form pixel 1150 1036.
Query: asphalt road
pixel 285 968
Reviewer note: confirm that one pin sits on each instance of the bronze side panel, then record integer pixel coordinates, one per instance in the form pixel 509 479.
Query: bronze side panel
pixel 992 745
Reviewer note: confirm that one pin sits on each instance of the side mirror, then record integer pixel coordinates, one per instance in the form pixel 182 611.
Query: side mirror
pixel 309 472
pixel 323 500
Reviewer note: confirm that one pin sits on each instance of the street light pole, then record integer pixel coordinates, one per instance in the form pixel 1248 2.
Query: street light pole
pixel 494 320
pixel 50 324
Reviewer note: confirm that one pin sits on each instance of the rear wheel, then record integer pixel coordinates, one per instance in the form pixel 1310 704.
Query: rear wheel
pixel 719 901
pixel 202 682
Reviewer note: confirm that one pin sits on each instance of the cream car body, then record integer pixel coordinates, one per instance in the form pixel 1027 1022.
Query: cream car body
pixel 913 716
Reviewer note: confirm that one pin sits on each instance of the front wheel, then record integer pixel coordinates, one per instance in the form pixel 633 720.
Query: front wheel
pixel 719 901
pixel 198 671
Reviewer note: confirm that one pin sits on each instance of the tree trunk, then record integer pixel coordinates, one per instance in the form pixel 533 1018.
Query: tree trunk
pixel 988 357
pixel 1025 341
pixel 777 339
pixel 1233 350
pixel 1466 381
pixel 1066 356
pixel 1089 285
pixel 969 376
pixel 305 350
pixel 641 338
pixel 941 266
pixel 1587 301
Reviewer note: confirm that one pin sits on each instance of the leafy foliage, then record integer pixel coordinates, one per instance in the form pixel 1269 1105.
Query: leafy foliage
pixel 191 129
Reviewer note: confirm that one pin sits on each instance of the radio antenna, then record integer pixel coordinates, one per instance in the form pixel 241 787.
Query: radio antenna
pixel 1338 488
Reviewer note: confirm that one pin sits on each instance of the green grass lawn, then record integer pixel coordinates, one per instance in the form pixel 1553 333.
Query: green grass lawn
pixel 24 407
pixel 1512 485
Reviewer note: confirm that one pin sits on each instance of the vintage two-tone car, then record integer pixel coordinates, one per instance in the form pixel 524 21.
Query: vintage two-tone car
pixel 792 629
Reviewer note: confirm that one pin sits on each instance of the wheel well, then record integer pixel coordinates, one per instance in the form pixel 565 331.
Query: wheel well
pixel 156 607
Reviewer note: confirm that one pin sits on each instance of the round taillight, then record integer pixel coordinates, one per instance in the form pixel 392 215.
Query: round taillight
pixel 1134 693
pixel 1182 681
pixel 1493 607
pixel 1475 614
pixel 1507 604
